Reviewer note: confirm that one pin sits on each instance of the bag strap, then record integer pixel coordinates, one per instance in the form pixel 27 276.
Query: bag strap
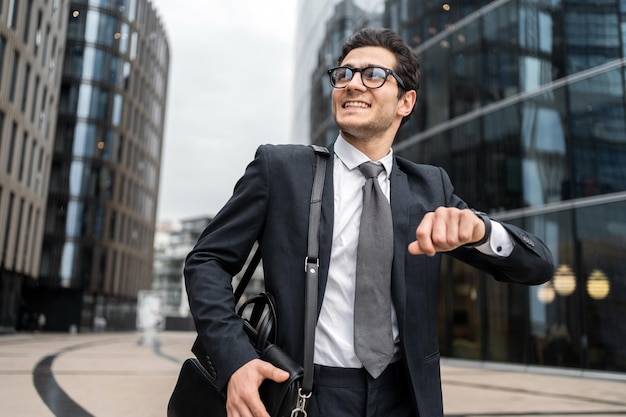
pixel 311 265
pixel 314 218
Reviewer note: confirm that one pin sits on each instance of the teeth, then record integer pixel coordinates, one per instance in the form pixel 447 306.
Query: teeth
pixel 356 104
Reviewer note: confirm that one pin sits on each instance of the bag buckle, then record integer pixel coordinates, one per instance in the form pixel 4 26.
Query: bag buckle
pixel 306 264
pixel 301 405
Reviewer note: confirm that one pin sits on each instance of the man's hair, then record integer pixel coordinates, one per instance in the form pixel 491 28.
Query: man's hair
pixel 407 64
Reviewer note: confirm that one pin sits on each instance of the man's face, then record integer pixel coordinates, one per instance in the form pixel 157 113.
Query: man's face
pixel 368 113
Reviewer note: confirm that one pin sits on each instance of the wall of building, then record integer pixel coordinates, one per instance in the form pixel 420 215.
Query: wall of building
pixel 32 48
pixel 523 103
pixel 104 170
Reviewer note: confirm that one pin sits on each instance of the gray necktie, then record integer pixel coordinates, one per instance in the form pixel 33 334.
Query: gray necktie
pixel 373 339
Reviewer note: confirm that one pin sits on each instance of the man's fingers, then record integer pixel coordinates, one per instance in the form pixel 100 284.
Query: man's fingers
pixel 423 243
pixel 243 399
pixel 275 374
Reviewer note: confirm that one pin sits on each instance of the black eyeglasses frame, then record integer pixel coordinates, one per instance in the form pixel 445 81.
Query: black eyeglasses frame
pixel 388 72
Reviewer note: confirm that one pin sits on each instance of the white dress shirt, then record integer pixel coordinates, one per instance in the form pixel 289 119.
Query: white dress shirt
pixel 334 336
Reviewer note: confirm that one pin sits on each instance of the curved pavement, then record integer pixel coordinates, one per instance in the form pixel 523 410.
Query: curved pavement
pixel 116 374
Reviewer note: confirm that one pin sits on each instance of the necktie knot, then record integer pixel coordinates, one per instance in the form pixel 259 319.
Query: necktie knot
pixel 371 169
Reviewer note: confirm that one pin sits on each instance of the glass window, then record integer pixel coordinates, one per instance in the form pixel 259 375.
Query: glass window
pixel 14 74
pixel 2 48
pixel 26 32
pixel 75 219
pixel 123 37
pixel 111 145
pixel 33 105
pixel 545 163
pixel 11 150
pixel 592 38
pixel 68 260
pixel 31 164
pixel 534 72
pixel 37 39
pixel 546 27
pixel 132 10
pixel 84 139
pixel 598 133
pixel 116 116
pixel 46 40
pixel 133 45
pixel 25 88
pixel 78 179
pixel 93 102
pixel 12 14
pixel 600 272
pixel 23 153
pixel 100 28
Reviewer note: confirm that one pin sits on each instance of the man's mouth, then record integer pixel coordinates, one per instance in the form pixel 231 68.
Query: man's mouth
pixel 358 104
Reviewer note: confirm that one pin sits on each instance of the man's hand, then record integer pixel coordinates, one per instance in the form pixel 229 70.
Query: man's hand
pixel 446 229
pixel 242 399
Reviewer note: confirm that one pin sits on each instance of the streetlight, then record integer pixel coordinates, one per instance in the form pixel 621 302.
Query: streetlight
pixel 564 281
pixel 545 293
pixel 598 285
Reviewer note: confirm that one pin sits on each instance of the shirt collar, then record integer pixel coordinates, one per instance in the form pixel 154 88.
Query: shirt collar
pixel 352 157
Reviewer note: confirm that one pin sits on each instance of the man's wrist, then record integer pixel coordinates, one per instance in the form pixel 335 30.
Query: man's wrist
pixel 487 221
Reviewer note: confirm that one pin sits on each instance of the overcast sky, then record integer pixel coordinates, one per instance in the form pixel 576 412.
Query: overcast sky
pixel 230 90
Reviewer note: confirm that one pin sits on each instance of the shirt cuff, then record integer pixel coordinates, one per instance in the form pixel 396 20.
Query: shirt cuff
pixel 499 243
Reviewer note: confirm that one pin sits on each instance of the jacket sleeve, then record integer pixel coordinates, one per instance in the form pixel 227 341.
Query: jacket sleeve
pixel 219 254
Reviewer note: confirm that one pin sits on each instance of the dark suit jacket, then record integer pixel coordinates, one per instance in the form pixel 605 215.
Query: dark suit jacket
pixel 271 204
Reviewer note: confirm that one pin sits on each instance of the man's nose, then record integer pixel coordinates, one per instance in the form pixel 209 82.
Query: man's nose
pixel 356 83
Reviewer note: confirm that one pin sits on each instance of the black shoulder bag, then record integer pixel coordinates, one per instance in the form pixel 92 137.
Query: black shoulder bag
pixel 195 393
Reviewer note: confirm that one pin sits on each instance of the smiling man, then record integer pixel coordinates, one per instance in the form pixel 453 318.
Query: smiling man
pixel 385 223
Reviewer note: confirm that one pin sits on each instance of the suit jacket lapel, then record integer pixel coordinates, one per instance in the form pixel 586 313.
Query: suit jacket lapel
pixel 399 196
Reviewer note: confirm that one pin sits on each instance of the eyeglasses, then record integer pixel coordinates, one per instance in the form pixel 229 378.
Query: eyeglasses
pixel 373 76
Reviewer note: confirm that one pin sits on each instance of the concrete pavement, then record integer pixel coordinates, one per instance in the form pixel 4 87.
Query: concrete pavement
pixel 113 374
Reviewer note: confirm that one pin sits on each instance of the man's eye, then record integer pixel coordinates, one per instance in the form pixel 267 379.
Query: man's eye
pixel 343 74
pixel 375 73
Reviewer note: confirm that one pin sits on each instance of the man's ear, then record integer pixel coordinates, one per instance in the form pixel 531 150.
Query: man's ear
pixel 406 103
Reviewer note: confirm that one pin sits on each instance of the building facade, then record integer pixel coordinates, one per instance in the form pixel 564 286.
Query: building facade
pixel 100 218
pixel 523 103
pixel 173 243
pixel 32 49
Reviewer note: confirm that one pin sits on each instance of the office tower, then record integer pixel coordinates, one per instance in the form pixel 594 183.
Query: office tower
pixel 523 103
pixel 101 208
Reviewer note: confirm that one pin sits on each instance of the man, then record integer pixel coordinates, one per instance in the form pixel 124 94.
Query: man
pixel 375 88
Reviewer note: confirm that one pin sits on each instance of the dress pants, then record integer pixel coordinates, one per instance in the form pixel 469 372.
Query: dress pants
pixel 349 392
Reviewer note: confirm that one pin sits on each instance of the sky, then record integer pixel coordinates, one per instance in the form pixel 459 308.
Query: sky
pixel 230 90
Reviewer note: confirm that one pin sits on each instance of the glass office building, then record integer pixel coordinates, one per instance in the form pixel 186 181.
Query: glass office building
pixel 100 220
pixel 523 103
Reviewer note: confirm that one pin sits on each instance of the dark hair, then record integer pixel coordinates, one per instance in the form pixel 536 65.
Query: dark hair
pixel 407 64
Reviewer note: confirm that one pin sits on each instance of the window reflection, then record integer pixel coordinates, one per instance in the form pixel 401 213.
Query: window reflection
pixel 544 166
pixel 77 178
pixel 100 28
pixel 67 263
pixel 74 222
pixel 93 102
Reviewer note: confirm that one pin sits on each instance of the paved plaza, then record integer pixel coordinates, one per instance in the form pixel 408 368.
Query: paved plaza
pixel 122 374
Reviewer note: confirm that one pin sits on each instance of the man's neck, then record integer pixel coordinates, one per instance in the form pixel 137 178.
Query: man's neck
pixel 374 148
